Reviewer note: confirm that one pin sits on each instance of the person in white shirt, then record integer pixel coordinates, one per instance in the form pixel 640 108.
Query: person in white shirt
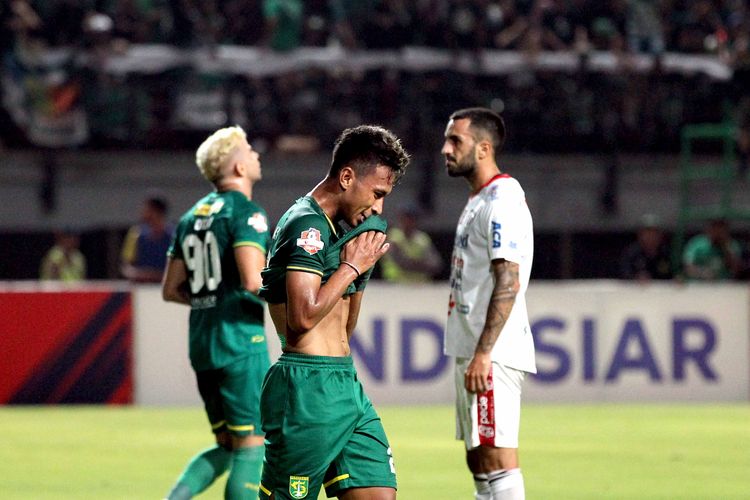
pixel 487 330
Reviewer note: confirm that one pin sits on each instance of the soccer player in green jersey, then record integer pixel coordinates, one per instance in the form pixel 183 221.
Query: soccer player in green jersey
pixel 214 267
pixel 320 427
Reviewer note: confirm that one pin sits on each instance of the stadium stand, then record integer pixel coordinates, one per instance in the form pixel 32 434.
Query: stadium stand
pixel 612 80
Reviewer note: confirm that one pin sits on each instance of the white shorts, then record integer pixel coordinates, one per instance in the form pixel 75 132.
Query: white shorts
pixel 493 417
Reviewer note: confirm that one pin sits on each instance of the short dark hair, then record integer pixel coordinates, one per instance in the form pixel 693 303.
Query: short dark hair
pixel 367 146
pixel 158 202
pixel 484 120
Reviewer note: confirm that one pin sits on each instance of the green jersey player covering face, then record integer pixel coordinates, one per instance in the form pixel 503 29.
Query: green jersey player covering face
pixel 321 429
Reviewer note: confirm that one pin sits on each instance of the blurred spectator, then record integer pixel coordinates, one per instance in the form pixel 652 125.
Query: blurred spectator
pixel 20 22
pixel 283 23
pixel 348 18
pixel 196 22
pixel 466 29
pixel 144 252
pixel 141 21
pixel 607 27
pixel 649 257
pixel 643 26
pixel 713 254
pixel 430 20
pixel 388 26
pixel 317 24
pixel 550 21
pixel 241 22
pixel 506 25
pixel 412 257
pixel 64 261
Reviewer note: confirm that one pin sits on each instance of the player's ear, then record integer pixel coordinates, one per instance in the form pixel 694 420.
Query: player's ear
pixel 484 150
pixel 346 178
pixel 238 168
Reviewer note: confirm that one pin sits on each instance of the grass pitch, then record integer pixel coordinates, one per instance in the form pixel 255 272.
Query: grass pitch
pixel 567 452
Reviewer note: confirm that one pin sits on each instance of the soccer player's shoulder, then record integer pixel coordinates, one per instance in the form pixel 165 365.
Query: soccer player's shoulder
pixel 506 189
pixel 245 207
pixel 303 221
pixel 309 222
pixel 303 212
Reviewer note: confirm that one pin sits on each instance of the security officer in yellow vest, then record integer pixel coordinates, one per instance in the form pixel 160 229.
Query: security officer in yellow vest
pixel 412 257
pixel 64 261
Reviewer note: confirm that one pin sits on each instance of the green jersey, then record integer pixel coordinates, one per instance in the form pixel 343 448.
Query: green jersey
pixel 226 321
pixel 701 252
pixel 307 240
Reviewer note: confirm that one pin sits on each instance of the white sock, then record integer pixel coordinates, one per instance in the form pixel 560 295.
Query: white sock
pixel 482 487
pixel 506 484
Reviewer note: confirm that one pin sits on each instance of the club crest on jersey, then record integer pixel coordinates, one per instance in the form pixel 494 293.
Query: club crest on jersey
pixel 298 486
pixel 258 222
pixel 310 242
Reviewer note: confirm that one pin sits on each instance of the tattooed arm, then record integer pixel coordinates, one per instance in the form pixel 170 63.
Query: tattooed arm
pixel 507 284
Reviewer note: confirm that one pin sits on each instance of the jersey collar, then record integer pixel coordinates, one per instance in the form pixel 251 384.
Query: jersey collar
pixel 320 209
pixel 494 178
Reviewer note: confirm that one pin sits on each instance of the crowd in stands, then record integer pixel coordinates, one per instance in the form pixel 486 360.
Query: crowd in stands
pixel 551 110
pixel 713 254
pixel 52 96
pixel 694 26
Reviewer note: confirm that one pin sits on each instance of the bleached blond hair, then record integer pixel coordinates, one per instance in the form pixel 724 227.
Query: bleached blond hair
pixel 213 154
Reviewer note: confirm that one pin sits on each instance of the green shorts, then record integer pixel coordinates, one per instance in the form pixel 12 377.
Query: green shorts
pixel 321 429
pixel 231 395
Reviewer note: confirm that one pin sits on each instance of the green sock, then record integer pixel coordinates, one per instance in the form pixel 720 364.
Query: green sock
pixel 244 479
pixel 202 470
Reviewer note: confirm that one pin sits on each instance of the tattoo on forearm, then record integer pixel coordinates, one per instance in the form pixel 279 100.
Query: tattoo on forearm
pixel 501 302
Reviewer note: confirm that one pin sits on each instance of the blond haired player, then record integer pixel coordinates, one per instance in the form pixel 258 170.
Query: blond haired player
pixel 214 267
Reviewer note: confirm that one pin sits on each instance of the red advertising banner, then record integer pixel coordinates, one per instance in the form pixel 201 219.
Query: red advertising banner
pixel 66 347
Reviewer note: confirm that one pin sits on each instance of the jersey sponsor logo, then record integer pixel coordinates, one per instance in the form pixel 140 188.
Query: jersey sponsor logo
pixel 461 308
pixel 486 415
pixel 310 242
pixel 496 226
pixel 258 222
pixel 457 272
pixel 203 210
pixel 209 209
pixel 206 302
pixel 203 224
pixel 298 486
pixel 462 240
pixel 257 339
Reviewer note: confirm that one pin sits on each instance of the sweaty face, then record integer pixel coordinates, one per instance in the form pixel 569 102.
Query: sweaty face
pixel 366 194
pixel 459 148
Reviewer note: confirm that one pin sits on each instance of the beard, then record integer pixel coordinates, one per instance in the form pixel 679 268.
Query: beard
pixel 464 168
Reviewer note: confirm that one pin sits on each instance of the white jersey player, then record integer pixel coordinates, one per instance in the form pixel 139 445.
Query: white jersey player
pixel 488 330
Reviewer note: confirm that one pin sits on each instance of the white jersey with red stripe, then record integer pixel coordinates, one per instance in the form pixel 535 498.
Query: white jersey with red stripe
pixel 495 224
